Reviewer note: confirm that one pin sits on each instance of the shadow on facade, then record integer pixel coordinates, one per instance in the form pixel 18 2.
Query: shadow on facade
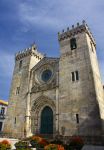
pixel 90 129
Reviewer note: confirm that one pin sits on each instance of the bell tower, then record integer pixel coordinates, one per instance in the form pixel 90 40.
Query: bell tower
pixel 17 121
pixel 81 98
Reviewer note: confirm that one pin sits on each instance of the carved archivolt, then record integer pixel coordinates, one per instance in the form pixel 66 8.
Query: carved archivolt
pixel 36 109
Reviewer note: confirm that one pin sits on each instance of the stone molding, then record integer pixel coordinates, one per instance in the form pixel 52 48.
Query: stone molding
pixel 44 87
pixel 39 84
pixel 36 109
pixel 40 102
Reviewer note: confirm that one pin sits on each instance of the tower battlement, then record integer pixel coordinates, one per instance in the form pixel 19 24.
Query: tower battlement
pixel 64 96
pixel 75 30
pixel 29 51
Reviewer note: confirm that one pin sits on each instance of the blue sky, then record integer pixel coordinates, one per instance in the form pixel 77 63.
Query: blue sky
pixel 24 21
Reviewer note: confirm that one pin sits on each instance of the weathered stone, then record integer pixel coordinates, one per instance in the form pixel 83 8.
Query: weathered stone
pixel 77 106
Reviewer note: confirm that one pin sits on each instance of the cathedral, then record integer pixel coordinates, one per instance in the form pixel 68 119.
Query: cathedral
pixel 64 95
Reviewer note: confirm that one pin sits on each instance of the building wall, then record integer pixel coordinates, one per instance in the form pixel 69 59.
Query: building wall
pixel 79 97
pixel 77 105
pixel 98 85
pixel 42 99
pixel 44 93
pixel 18 107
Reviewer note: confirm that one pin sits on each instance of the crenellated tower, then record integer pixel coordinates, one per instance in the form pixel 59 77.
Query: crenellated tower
pixel 81 99
pixel 58 96
pixel 18 113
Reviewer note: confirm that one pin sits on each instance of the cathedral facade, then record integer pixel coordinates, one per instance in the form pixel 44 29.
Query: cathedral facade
pixel 62 95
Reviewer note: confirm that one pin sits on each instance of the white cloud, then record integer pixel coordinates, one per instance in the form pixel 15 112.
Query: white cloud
pixel 6 64
pixel 41 16
pixel 58 14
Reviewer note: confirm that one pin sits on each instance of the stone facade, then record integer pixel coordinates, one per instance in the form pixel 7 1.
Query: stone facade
pixel 70 86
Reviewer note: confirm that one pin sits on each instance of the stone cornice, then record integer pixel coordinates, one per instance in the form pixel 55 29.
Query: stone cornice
pixel 75 30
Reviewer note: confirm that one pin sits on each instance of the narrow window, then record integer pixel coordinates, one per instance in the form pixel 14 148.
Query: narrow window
pixel 77 118
pixel 73 44
pixel 72 76
pixel 77 75
pixel 17 90
pixel 20 64
pixel 15 120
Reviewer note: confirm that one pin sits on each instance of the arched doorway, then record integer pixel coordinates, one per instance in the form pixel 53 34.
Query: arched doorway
pixel 46 121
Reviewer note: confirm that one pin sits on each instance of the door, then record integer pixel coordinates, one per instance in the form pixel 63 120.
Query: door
pixel 46 121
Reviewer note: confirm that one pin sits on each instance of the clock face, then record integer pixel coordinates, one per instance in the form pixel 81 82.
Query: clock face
pixel 46 75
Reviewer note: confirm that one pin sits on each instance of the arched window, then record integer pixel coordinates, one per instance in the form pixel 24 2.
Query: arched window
pixel 73 44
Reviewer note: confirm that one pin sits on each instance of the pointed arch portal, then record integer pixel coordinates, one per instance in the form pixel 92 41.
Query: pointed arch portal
pixel 46 121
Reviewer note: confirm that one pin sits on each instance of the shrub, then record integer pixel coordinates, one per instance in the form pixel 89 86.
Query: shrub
pixel 38 142
pixel 22 145
pixel 54 147
pixel 5 144
pixel 76 142
pixel 57 141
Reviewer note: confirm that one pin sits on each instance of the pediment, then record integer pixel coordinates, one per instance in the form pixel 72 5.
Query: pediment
pixel 45 61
